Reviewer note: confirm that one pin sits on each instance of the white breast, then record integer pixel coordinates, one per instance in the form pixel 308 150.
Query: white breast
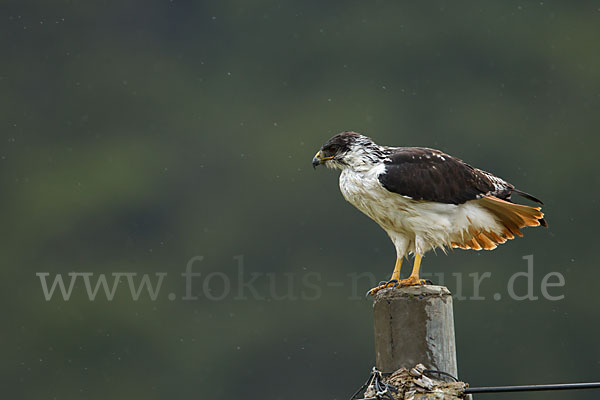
pixel 363 190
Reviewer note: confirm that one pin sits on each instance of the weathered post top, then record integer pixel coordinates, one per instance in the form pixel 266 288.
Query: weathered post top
pixel 414 325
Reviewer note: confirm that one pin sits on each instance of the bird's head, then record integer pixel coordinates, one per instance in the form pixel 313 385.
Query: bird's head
pixel 346 149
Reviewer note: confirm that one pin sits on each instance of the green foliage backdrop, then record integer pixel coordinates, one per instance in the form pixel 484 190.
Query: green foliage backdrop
pixel 139 134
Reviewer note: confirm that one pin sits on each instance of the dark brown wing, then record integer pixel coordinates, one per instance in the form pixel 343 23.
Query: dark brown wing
pixel 428 174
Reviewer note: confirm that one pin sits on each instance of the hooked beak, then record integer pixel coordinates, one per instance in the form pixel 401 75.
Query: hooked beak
pixel 318 159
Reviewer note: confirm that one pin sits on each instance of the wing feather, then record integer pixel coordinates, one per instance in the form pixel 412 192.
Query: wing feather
pixel 428 174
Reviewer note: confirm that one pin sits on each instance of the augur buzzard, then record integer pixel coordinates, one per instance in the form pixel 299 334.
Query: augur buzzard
pixel 425 199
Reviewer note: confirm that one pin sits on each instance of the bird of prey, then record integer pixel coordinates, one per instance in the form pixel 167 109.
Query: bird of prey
pixel 425 199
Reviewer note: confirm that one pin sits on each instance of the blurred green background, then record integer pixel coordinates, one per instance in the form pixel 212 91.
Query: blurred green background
pixel 139 134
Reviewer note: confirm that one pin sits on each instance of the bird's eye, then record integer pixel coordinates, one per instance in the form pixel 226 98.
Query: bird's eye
pixel 329 150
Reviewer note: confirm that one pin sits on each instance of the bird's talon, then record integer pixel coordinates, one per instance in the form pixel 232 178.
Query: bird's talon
pixel 382 285
pixel 412 281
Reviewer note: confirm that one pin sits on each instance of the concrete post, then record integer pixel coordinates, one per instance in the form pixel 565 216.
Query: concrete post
pixel 415 325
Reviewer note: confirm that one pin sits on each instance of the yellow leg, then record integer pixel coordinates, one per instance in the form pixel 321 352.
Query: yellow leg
pixel 393 280
pixel 416 267
pixel 396 273
pixel 413 279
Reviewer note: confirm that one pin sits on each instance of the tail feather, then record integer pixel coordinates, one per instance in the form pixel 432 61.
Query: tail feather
pixel 496 238
pixel 517 214
pixel 486 242
pixel 474 244
pixel 527 196
pixel 513 217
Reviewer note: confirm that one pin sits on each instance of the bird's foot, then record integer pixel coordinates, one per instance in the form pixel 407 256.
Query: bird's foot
pixel 382 285
pixel 410 281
